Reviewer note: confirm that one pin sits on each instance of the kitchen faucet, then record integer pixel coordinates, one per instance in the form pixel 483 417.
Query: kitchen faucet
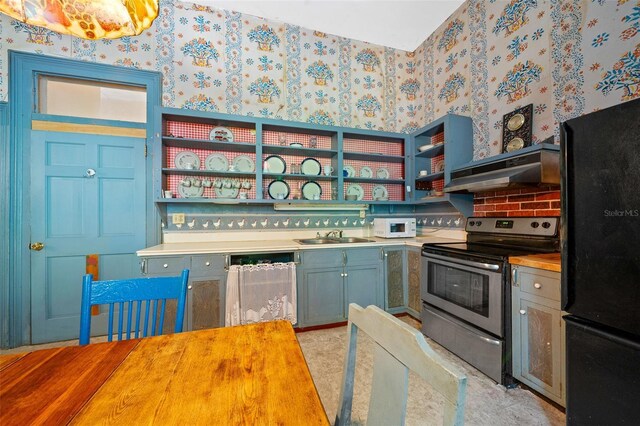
pixel 336 233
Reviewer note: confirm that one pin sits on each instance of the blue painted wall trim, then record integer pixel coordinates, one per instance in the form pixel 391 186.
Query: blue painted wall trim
pixel 4 226
pixel 22 68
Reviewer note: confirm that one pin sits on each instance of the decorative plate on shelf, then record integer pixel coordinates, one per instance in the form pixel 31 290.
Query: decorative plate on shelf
pixel 382 173
pixel 221 134
pixel 216 163
pixel 355 189
pixel 190 191
pixel 310 166
pixel 278 190
pixel 438 167
pixel 311 190
pixel 379 192
pixel 351 172
pixel 274 164
pixel 366 172
pixel 227 192
pixel 244 164
pixel 187 160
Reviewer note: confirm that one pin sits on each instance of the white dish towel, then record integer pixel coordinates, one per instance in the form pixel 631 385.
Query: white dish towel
pixel 259 293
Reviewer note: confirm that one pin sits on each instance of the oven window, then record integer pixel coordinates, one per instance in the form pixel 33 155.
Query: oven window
pixel 467 289
pixel 397 227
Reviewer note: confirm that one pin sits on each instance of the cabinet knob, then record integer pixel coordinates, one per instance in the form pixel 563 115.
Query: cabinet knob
pixel 386 255
pixel 523 312
pixel 346 275
pixel 207 263
pixel 537 285
pixel 342 274
pixel 165 265
pixel 190 287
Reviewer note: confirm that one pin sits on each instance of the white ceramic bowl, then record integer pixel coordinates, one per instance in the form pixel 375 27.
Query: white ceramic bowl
pixel 425 147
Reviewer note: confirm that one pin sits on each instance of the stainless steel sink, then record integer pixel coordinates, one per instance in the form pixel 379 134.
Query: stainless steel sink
pixel 345 240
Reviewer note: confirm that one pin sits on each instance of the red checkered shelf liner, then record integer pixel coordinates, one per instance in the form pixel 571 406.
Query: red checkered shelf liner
pixel 374 147
pixel 270 137
pixel 182 129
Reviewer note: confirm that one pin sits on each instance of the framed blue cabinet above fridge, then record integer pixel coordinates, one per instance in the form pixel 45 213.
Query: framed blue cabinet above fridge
pixel 437 149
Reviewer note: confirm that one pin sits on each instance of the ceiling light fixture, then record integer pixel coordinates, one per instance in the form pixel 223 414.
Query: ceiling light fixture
pixel 83 18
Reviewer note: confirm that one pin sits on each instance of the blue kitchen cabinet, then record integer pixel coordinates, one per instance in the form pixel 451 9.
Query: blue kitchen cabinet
pixel 205 291
pixel 538 331
pixel 268 149
pixel 363 285
pixel 395 279
pixel 322 296
pixel 437 149
pixel 333 278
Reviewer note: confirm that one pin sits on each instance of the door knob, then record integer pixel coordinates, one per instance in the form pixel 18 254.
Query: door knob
pixel 37 246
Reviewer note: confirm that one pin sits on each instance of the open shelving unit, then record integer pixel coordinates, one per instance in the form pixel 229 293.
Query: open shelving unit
pixel 333 147
pixel 438 148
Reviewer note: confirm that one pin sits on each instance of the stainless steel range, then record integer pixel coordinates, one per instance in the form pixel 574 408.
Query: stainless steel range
pixel 466 288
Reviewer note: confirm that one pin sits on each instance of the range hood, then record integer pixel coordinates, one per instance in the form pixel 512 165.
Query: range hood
pixel 532 166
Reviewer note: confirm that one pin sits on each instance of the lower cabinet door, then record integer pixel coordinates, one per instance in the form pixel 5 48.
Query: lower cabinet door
pixel 323 296
pixel 364 286
pixel 394 278
pixel 205 303
pixel 414 260
pixel 541 348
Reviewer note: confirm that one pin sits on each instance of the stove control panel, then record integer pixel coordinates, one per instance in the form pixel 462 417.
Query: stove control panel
pixel 540 226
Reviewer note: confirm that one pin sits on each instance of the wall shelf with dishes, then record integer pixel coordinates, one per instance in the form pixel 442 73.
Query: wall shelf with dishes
pixel 219 158
pixel 437 148
pixel 374 168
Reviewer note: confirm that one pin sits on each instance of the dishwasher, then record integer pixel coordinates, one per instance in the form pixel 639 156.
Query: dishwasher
pixel 261 287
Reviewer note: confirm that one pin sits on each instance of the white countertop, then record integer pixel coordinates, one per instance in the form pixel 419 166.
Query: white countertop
pixel 212 247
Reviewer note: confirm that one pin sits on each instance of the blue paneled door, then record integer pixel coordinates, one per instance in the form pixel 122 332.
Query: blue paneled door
pixel 87 196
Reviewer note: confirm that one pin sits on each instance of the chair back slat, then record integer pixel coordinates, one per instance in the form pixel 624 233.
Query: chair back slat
pixel 154 316
pixel 154 292
pixel 138 311
pixel 389 389
pixel 110 328
pixel 129 316
pixel 162 310
pixel 120 318
pixel 145 330
pixel 398 348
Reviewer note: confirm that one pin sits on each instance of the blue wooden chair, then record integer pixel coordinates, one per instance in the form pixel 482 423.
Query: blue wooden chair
pixel 154 292
pixel 398 348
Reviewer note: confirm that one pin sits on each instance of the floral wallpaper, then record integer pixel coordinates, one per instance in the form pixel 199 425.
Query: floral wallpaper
pixel 566 57
pixel 215 60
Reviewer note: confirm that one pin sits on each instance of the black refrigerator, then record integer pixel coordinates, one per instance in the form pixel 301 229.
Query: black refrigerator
pixel 600 168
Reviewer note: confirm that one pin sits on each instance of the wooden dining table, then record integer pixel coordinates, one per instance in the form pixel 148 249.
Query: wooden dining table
pixel 246 375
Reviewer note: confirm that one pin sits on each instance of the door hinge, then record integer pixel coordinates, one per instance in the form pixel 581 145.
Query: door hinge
pixel 145 150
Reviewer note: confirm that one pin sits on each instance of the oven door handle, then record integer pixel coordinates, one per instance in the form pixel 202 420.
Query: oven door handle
pixel 465 262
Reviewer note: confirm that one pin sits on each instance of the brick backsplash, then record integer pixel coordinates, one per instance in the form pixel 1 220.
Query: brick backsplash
pixel 539 201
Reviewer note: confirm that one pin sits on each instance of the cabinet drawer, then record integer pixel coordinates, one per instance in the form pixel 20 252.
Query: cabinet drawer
pixel 202 265
pixel 364 256
pixel 326 258
pixel 166 265
pixel 540 283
